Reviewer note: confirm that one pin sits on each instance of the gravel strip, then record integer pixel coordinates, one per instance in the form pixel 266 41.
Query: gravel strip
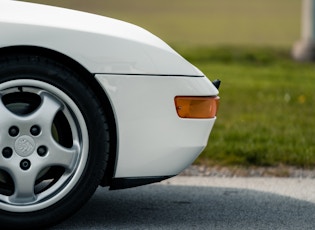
pixel 236 171
pixel 298 188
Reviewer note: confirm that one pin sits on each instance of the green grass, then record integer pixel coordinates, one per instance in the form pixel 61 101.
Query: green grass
pixel 266 115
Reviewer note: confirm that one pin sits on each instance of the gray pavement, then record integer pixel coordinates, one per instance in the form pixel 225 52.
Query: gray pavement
pixel 202 203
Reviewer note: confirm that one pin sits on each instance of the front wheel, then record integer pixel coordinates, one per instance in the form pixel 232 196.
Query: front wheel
pixel 53 141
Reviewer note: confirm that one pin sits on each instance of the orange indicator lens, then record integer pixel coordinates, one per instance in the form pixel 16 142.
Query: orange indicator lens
pixel 196 107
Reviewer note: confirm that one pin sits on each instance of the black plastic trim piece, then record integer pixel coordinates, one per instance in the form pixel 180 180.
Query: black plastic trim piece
pixel 153 75
pixel 217 83
pixel 122 183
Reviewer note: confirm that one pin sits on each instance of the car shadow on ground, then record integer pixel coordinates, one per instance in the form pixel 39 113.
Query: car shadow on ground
pixel 188 207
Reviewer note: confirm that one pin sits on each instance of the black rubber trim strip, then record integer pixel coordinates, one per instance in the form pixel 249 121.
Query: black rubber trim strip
pixel 122 183
pixel 153 75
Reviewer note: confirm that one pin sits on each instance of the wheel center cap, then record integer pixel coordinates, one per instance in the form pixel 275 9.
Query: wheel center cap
pixel 24 146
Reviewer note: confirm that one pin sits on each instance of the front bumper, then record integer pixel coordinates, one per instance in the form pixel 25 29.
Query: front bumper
pixel 152 140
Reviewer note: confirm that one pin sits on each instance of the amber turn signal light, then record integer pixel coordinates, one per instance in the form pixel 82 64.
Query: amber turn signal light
pixel 197 107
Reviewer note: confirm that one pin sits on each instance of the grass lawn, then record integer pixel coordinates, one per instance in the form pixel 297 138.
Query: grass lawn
pixel 267 111
pixel 266 115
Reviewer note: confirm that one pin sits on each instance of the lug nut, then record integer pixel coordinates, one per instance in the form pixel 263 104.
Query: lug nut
pixel 42 150
pixel 7 152
pixel 35 130
pixel 25 164
pixel 13 131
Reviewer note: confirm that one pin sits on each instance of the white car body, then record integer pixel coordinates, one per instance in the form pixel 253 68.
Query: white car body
pixel 135 73
pixel 140 74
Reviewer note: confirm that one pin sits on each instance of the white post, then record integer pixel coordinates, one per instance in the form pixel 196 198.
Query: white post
pixel 304 50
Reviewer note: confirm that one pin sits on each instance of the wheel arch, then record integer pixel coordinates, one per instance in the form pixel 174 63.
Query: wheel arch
pixel 89 79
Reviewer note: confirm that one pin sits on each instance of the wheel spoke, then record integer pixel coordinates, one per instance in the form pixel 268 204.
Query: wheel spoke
pixel 61 156
pixel 47 110
pixel 24 182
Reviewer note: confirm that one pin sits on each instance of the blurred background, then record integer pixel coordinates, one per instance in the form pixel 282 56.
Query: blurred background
pixel 266 116
pixel 204 22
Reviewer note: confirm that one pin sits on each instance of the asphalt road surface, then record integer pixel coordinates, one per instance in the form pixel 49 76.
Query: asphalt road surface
pixel 202 203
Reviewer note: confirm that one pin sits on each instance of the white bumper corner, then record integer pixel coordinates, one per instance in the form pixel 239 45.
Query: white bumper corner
pixel 152 139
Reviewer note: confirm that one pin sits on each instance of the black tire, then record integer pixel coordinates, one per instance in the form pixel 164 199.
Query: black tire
pixel 53 136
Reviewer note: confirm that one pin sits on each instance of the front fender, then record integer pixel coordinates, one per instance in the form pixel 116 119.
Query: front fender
pixel 100 44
